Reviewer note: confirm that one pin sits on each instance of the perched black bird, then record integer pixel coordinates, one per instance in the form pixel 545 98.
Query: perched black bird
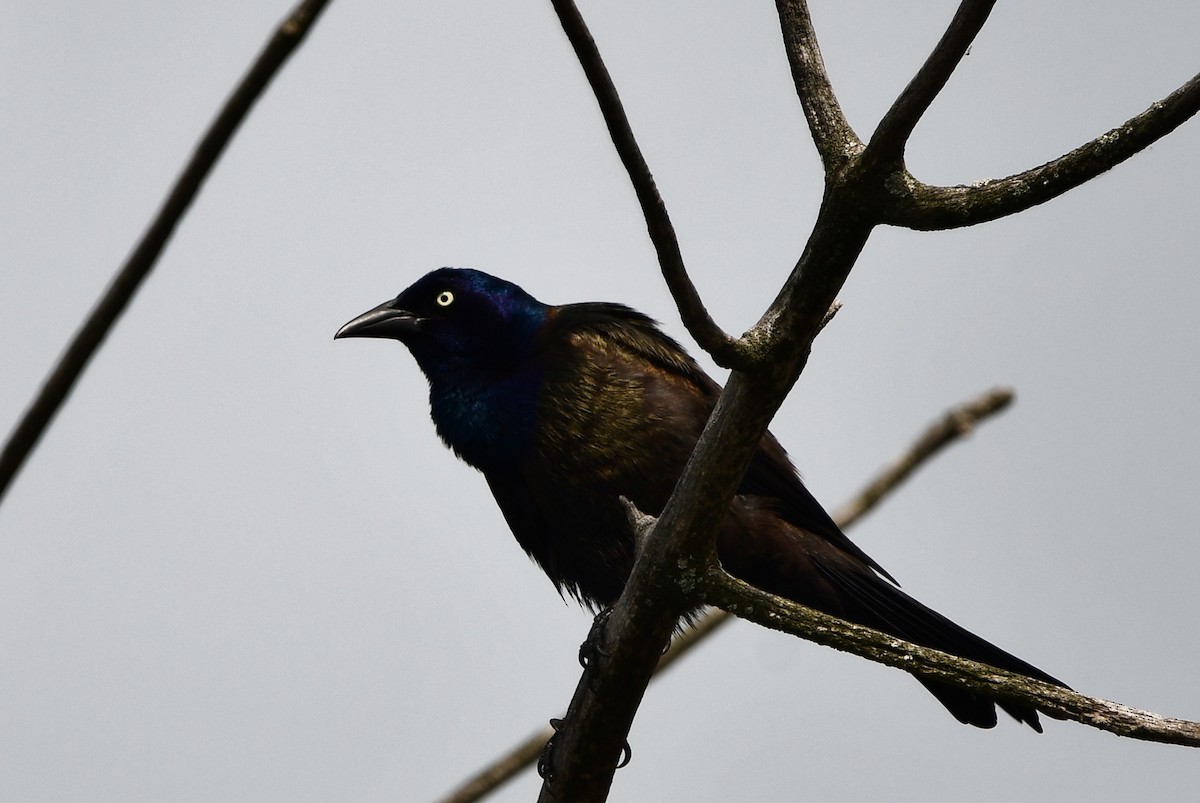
pixel 567 408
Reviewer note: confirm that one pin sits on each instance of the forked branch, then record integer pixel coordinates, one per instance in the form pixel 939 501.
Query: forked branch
pixel 928 208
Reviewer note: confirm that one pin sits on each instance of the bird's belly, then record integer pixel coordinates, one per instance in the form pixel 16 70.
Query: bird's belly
pixel 586 541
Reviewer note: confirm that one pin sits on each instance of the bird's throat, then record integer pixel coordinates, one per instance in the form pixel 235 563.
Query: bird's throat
pixel 489 425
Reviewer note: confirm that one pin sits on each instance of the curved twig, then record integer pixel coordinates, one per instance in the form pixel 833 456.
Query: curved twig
pixel 951 427
pixel 116 298
pixel 725 350
pixel 887 144
pixel 834 137
pixel 927 208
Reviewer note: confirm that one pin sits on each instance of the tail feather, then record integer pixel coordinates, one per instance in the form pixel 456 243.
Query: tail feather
pixel 874 602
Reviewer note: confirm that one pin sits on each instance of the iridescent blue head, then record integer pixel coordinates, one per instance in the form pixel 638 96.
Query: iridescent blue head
pixel 475 337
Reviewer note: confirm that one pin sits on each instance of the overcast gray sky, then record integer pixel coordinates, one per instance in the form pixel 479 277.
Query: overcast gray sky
pixel 242 567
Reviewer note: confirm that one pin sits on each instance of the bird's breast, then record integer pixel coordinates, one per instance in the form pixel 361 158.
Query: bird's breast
pixel 489 425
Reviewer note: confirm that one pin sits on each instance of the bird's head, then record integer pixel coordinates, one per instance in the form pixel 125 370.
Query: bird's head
pixel 456 318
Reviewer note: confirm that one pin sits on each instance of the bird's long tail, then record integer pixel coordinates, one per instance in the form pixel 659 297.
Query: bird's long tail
pixel 872 601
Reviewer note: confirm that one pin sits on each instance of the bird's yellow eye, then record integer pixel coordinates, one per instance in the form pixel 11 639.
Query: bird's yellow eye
pixel 445 298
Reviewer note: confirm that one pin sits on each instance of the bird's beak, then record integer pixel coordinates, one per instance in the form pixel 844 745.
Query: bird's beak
pixel 383 321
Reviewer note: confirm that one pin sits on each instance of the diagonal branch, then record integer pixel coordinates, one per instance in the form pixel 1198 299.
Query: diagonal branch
pixel 744 600
pixel 953 426
pixel 886 147
pixel 928 208
pixel 835 140
pixel 116 297
pixel 725 350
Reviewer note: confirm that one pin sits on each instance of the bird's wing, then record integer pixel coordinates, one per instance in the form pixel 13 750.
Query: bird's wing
pixel 770 474
pixel 636 333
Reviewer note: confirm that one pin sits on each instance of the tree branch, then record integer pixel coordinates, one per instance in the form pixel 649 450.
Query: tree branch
pixel 725 350
pixel 120 291
pixel 927 208
pixel 835 139
pixel 886 148
pixel 954 425
pixel 746 601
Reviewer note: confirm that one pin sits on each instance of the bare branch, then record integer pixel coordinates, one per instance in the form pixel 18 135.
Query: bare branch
pixel 886 147
pixel 955 424
pixel 116 297
pixel 928 208
pixel 835 140
pixel 748 602
pixel 725 350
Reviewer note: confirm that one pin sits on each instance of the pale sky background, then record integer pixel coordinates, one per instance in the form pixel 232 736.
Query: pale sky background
pixel 241 567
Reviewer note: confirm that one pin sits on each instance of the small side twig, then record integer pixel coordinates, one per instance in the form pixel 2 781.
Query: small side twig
pixel 116 297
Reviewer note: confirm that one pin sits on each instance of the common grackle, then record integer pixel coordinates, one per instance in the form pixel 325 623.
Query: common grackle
pixel 564 409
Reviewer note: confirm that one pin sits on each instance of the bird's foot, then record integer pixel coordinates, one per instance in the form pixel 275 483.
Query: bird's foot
pixel 626 755
pixel 591 648
pixel 545 760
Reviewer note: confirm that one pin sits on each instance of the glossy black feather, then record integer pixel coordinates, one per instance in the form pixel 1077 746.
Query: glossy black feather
pixel 566 409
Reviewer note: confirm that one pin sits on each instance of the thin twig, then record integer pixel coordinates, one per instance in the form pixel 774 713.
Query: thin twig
pixel 725 350
pixel 927 208
pixel 886 147
pixel 832 134
pixel 952 426
pixel 116 297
